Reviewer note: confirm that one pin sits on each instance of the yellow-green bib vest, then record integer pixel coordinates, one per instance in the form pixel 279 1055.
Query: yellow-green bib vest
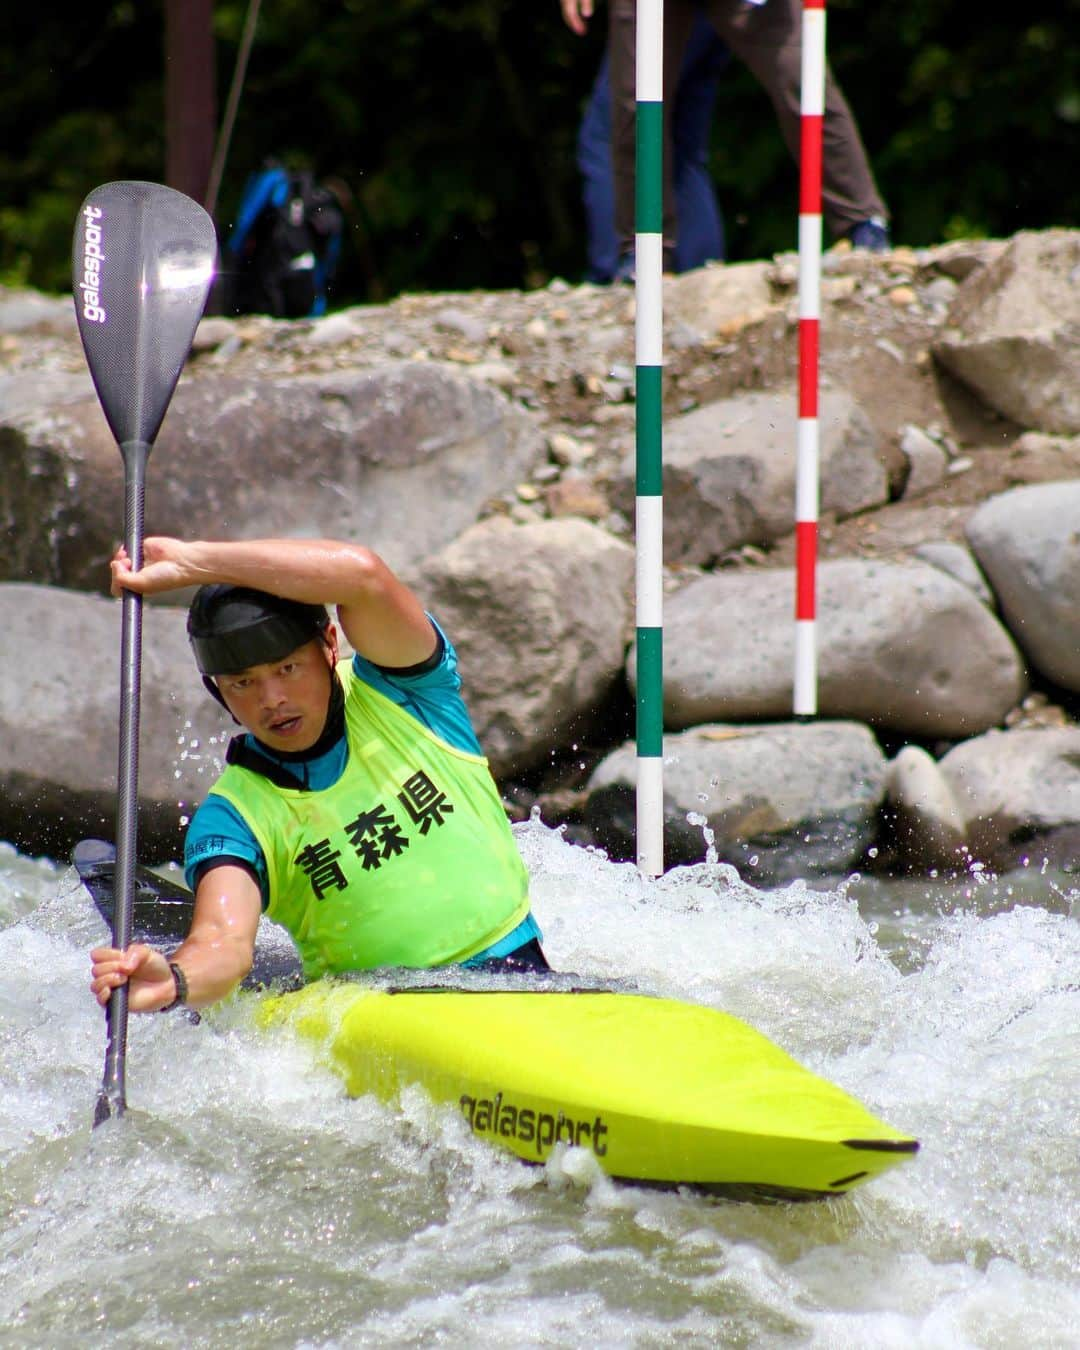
pixel 407 860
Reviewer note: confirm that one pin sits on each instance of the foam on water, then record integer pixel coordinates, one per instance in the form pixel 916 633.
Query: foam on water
pixel 244 1200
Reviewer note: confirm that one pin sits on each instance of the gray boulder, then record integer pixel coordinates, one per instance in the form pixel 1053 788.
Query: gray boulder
pixel 929 829
pixel 27 311
pixel 1013 331
pixel 718 302
pixel 59 722
pixel 1020 795
pixel 958 562
pixel 1028 543
pixel 540 615
pixel 401 458
pixel 901 646
pixel 729 471
pixel 927 461
pixel 778 801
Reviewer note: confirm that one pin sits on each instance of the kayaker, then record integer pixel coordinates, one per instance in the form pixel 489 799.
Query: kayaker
pixel 357 808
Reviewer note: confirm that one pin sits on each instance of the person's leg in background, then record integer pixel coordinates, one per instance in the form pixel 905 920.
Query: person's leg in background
pixel 701 226
pixel 597 181
pixel 768 39
pixel 679 18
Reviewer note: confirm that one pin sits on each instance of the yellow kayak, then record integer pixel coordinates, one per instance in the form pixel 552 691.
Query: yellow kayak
pixel 661 1092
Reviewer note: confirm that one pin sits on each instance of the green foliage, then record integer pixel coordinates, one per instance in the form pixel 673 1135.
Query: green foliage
pixel 79 105
pixel 452 130
pixel 973 134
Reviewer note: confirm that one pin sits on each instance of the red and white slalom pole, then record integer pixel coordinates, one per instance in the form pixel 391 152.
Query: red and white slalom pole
pixel 812 107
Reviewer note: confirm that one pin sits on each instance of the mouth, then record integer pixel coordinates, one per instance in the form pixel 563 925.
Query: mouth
pixel 284 726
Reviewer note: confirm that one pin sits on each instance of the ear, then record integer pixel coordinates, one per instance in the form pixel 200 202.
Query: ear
pixel 330 645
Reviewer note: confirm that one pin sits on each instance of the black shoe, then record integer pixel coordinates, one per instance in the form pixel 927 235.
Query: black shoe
pixel 872 235
pixel 624 269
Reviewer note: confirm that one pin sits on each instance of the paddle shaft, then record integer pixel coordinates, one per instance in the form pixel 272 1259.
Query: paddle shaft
pixel 111 1099
pixel 142 262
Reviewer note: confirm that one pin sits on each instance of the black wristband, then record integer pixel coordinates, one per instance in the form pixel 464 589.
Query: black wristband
pixel 180 980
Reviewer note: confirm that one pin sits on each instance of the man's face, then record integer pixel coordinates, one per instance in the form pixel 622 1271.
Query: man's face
pixel 284 703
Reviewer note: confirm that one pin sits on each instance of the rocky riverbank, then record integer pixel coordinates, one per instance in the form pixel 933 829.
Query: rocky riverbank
pixel 484 444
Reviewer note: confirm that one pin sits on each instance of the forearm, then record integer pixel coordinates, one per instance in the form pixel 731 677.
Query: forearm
pixel 381 617
pixel 211 970
pixel 315 571
pixel 214 957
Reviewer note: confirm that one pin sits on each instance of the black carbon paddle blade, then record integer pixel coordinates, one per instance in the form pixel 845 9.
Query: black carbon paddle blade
pixel 162 910
pixel 142 262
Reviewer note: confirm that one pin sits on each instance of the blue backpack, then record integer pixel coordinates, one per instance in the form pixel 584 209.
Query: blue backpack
pixel 282 252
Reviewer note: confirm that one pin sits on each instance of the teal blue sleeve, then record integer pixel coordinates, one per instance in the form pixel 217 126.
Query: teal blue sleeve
pixel 433 697
pixel 217 830
pixel 526 931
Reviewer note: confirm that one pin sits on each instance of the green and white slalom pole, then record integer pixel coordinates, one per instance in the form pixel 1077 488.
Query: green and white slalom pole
pixel 648 337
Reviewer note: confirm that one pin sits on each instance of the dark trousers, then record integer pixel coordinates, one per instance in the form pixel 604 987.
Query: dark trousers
pixel 701 224
pixel 768 39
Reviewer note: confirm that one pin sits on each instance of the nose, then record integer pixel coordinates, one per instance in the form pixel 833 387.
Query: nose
pixel 271 694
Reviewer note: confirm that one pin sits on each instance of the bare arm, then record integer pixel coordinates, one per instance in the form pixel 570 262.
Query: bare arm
pixel 215 956
pixel 381 616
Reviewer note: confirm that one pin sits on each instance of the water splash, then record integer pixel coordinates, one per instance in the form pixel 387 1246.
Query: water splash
pixel 246 1201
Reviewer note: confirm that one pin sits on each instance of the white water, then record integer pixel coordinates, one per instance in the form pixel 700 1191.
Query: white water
pixel 244 1201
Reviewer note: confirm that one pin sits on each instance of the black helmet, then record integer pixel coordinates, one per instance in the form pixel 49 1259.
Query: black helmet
pixel 233 627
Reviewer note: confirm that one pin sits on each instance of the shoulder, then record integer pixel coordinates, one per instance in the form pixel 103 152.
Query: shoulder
pixel 431 694
pixel 440 671
pixel 218 830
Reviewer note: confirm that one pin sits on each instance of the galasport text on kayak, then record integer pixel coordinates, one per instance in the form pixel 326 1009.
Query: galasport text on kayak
pixel 502 1118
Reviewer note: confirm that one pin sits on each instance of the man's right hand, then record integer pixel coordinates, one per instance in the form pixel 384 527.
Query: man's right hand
pixel 166 567
pixel 576 14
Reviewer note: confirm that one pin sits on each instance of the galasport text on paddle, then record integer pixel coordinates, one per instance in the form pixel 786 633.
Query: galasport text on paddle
pixel 142 262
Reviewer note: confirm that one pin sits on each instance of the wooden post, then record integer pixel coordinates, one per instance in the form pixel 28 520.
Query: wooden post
pixel 190 102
